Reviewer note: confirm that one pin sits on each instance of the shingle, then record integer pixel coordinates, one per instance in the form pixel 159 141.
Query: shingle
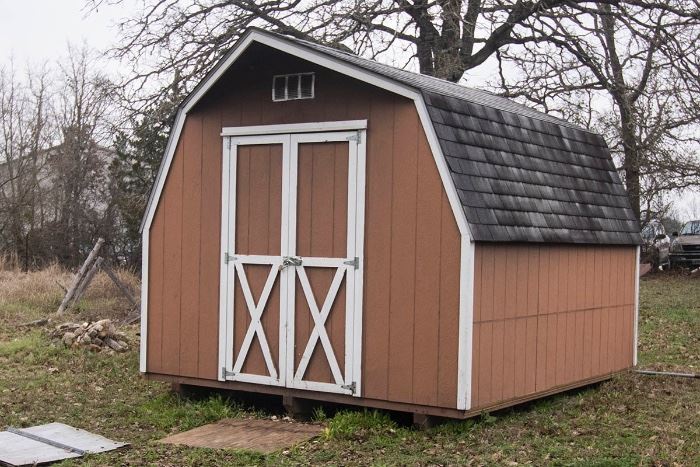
pixel 521 175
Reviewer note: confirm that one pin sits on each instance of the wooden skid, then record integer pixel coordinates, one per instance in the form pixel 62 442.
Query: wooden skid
pixel 374 403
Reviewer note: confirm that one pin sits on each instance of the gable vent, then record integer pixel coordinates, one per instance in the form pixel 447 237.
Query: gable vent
pixel 292 87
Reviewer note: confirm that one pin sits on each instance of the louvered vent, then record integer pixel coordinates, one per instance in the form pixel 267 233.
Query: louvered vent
pixel 292 87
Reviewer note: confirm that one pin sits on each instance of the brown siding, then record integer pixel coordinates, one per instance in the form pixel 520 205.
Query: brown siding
pixel 411 276
pixel 547 316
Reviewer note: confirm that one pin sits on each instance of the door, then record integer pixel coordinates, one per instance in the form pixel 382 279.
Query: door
pixel 292 237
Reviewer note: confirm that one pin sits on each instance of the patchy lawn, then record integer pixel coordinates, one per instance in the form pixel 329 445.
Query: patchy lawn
pixel 630 420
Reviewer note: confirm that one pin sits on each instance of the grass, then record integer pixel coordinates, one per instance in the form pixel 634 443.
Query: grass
pixel 629 420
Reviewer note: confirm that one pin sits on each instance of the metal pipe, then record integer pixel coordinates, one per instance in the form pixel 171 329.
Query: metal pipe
pixel 668 373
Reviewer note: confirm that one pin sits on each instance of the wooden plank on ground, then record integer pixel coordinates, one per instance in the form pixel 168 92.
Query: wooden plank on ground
pixel 264 436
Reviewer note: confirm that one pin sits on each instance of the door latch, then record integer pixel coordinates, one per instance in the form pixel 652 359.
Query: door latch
pixel 290 261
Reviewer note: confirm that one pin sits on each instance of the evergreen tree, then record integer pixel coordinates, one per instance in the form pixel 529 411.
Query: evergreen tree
pixel 133 171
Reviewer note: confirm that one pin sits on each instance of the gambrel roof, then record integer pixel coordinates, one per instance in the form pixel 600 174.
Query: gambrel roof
pixel 520 175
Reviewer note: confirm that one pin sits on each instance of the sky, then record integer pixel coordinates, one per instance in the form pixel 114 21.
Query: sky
pixel 36 31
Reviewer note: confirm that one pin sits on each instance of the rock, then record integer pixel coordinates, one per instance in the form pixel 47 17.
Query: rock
pixel 114 345
pixel 68 338
pixel 98 336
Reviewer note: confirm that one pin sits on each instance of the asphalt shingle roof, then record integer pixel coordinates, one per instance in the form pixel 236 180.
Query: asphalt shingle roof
pixel 521 175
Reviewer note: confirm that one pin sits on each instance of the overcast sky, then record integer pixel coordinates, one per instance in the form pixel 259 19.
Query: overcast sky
pixel 37 31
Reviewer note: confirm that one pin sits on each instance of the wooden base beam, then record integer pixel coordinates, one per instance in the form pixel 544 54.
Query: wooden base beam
pixel 443 412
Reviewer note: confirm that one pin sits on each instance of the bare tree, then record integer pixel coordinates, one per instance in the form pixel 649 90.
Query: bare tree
pixel 25 127
pixel 445 37
pixel 569 47
pixel 55 134
pixel 80 160
pixel 639 65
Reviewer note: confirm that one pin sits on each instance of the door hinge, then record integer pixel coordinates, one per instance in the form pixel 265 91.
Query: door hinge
pixel 225 373
pixel 228 258
pixel 357 137
pixel 355 263
pixel 352 387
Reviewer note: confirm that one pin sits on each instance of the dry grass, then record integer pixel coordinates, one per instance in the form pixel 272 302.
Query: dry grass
pixel 26 296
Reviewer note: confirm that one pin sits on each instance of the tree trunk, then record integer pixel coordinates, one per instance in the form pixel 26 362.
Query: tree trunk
pixel 633 157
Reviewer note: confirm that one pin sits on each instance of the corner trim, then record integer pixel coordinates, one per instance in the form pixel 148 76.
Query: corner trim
pixel 636 308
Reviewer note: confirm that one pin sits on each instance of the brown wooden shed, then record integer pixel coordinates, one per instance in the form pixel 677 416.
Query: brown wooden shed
pixel 327 227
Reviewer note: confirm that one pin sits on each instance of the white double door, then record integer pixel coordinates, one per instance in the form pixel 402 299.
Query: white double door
pixel 292 237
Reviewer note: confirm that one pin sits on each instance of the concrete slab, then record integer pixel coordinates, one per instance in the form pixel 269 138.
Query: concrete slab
pixel 264 436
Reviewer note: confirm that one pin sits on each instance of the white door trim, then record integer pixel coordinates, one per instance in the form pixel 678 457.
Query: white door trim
pixel 349 381
pixel 355 250
pixel 229 267
pixel 311 127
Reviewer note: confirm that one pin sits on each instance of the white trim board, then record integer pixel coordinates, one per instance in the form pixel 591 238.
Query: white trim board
pixel 312 127
pixel 284 372
pixel 636 307
pixel 467 246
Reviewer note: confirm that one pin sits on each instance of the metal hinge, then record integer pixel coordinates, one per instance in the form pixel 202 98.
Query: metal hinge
pixel 352 387
pixel 357 137
pixel 225 373
pixel 355 263
pixel 228 258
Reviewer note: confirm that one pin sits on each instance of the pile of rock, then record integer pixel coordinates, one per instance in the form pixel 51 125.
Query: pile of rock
pixel 97 336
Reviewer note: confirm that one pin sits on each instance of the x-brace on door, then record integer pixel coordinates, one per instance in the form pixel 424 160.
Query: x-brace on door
pixel 292 238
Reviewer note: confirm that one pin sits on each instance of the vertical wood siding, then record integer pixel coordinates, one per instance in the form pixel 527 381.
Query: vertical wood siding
pixel 258 232
pixel 412 243
pixel 548 316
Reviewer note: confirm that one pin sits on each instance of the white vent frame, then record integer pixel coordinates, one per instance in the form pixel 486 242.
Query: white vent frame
pixel 299 96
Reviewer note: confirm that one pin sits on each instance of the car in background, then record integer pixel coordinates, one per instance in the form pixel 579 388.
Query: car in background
pixel 685 247
pixel 656 247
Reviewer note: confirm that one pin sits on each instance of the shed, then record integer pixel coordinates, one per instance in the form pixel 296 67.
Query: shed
pixel 331 228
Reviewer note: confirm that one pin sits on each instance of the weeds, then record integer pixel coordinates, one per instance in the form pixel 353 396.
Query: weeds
pixel 169 411
pixel 348 424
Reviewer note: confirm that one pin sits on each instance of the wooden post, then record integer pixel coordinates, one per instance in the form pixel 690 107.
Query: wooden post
pixel 88 278
pixel 300 409
pixel 120 285
pixel 79 276
pixel 423 421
